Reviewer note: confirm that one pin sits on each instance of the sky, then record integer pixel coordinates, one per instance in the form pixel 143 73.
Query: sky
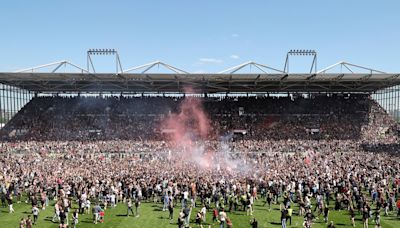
pixel 200 36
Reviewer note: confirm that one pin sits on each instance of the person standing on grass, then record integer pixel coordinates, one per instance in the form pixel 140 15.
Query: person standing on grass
pixel 10 203
pixel 166 201
pixel 302 206
pixel 386 207
pixel 29 222
pixel 137 206
pixel 229 223
pixel 204 212
pixel 22 223
pixel 198 218
pixel 320 205
pixel 87 206
pixel 235 202
pixel 309 216
pixel 251 205
pixel 112 199
pixel 56 212
pixel 269 199
pixel 352 216
pixel 255 193
pixel 398 207
pixel 326 214
pixel 43 197
pixel 106 198
pixel 186 212
pixel 101 216
pixel 171 199
pixel 35 212
pixel 307 224
pixel 222 218
pixel 181 220
pixel 327 195
pixel 215 214
pixel 365 216
pixel 185 198
pixel 129 205
pixel 75 216
pixel 254 223
pixel 378 218
pixel 66 206
pixel 289 215
pixel 248 205
pixel 3 198
pixel 96 211
pixel 63 217
pixel 284 213
pixel 230 201
pixel 81 203
pixel 170 208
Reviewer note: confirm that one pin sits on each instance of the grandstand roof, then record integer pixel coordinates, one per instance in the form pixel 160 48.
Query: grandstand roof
pixel 231 80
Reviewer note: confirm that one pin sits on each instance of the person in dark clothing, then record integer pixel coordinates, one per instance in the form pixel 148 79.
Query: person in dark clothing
pixel 269 199
pixel 137 206
pixel 181 220
pixel 377 218
pixel 284 214
pixel 309 216
pixel 81 205
pixel 365 216
pixel 171 210
pixel 352 216
pixel 326 214
pixel 198 218
pixel 29 222
pixel 186 212
pixel 63 218
pixel 254 223
pixel 3 200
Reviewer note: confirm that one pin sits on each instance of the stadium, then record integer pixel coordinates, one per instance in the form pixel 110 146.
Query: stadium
pixel 229 121
pixel 156 145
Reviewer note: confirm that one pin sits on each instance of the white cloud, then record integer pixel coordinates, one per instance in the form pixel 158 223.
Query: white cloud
pixel 210 60
pixel 235 57
pixel 235 35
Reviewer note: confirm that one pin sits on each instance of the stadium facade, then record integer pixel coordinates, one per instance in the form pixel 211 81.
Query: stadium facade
pixel 64 78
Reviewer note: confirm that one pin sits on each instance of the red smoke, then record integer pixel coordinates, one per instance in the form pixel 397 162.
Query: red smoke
pixel 190 124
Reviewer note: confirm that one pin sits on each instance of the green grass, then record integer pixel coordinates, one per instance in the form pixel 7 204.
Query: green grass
pixel 153 216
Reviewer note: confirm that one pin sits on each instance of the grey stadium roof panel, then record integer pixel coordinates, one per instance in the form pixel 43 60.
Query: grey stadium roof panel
pixel 207 83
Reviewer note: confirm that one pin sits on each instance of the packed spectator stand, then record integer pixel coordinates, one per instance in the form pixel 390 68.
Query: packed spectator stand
pixel 261 118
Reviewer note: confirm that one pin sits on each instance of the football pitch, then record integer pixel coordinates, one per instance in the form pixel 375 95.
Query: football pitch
pixel 151 215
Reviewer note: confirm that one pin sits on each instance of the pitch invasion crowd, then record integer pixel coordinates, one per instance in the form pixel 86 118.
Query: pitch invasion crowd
pixel 85 175
pixel 351 162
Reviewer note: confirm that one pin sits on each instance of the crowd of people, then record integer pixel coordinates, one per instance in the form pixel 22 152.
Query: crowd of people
pixel 308 155
pixel 358 181
pixel 126 118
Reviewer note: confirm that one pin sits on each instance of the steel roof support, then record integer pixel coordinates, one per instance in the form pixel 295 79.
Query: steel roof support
pixel 261 67
pixel 149 66
pixel 347 66
pixel 56 64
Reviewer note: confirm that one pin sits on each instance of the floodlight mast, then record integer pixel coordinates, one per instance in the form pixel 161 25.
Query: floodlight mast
pixel 305 53
pixel 96 51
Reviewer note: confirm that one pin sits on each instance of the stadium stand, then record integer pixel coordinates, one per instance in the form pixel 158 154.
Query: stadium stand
pixel 343 117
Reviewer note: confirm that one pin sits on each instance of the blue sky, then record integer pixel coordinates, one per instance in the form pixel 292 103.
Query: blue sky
pixel 200 36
